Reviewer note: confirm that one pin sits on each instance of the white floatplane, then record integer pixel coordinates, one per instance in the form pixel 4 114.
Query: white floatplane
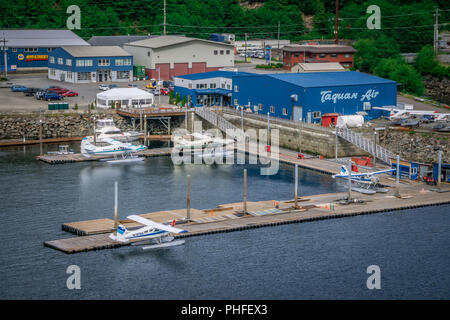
pixel 107 147
pixel 366 183
pixel 157 234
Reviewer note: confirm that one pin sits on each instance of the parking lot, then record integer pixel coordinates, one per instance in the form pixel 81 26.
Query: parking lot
pixel 18 102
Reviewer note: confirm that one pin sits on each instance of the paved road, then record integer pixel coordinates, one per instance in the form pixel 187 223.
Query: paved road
pixel 17 101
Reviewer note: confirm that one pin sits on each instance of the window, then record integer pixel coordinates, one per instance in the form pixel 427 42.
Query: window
pixel 221 52
pixel 14 49
pixel 30 50
pixel 51 59
pixel 123 74
pixel 260 106
pixel 285 112
pixel 50 49
pixel 333 55
pixel 296 55
pixel 60 61
pixel 198 86
pixel 272 109
pixel 236 89
pixel 83 75
pixel 236 102
pixel 69 74
pixel 322 55
pixel 347 55
pixel 215 52
pixel 123 62
pixel 51 71
pixel 212 85
pixel 148 53
pixel 190 85
pixel 84 63
pixel 103 62
pixel 316 114
pixel 228 86
pixel 346 65
pixel 228 51
pixel 68 62
pixel 223 85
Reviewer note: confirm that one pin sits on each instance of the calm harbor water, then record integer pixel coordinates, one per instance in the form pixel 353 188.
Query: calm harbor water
pixel 318 260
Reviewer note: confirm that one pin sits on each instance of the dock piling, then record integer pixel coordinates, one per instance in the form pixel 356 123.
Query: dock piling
pixel 40 132
pixel 397 178
pixel 349 179
pixel 245 192
pixel 188 198
pixel 145 130
pixel 116 201
pixel 439 169
pixel 296 186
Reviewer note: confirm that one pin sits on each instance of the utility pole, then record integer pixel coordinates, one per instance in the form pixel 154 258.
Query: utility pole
pixel 246 47
pixel 436 31
pixel 336 24
pixel 4 53
pixel 164 32
pixel 278 36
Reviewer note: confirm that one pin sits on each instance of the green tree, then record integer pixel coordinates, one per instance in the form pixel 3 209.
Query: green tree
pixel 425 61
pixel 408 79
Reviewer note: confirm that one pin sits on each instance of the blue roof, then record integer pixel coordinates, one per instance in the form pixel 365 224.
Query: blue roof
pixel 329 79
pixel 213 74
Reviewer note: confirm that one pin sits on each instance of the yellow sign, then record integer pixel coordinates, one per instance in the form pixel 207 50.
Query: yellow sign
pixel 20 56
pixel 36 57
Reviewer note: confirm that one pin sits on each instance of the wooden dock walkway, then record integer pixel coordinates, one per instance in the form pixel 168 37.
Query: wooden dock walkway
pixel 78 157
pixel 18 142
pixel 228 217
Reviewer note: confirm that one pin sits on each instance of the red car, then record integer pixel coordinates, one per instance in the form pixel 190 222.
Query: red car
pixel 70 94
pixel 59 90
pixel 164 91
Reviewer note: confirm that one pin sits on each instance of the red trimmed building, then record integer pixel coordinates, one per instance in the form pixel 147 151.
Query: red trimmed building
pixel 165 57
pixel 294 54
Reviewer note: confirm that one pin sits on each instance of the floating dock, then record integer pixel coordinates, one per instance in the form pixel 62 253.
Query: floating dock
pixel 94 234
pixel 78 157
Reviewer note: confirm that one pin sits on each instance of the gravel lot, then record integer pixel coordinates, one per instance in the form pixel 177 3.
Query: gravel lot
pixel 18 102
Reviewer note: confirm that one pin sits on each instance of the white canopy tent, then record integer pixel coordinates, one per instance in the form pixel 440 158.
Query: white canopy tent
pixel 127 97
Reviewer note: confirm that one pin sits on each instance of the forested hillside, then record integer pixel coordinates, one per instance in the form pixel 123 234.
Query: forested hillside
pixel 409 23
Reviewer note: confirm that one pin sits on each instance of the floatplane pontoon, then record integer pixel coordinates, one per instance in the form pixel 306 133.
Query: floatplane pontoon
pixel 153 233
pixel 366 183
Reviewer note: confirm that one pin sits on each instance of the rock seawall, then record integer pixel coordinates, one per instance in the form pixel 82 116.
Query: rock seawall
pixel 438 89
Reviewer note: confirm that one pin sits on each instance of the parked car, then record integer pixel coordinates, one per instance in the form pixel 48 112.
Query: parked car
pixel 154 92
pixel 18 88
pixel 103 87
pixel 52 96
pixel 58 90
pixel 112 86
pixel 151 85
pixel 31 91
pixel 38 95
pixel 132 85
pixel 164 91
pixel 70 94
pixel 167 83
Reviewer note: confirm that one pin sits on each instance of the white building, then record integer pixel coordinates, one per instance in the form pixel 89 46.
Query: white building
pixel 317 67
pixel 125 97
pixel 168 56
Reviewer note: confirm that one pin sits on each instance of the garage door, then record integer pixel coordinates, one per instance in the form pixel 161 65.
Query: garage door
pixel 181 69
pixel 198 67
pixel 164 69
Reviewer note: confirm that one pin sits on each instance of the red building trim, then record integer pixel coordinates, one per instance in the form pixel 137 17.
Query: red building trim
pixel 291 58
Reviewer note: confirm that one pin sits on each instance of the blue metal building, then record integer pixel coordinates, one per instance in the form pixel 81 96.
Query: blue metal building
pixel 295 96
pixel 85 64
pixel 28 50
pixel 207 89
pixel 306 96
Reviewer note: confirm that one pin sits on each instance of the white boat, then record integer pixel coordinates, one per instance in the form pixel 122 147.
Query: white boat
pixel 105 128
pixel 107 147
pixel 198 140
pixel 63 149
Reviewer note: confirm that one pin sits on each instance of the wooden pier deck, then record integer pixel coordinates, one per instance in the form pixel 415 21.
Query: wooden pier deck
pixel 78 157
pixel 228 217
pixel 19 142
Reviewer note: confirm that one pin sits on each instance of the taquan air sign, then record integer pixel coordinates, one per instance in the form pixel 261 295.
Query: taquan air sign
pixel 328 95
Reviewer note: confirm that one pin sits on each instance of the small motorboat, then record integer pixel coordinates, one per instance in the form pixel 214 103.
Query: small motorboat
pixel 105 128
pixel 63 150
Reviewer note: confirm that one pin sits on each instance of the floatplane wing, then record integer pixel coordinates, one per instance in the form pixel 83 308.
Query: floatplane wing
pixel 156 225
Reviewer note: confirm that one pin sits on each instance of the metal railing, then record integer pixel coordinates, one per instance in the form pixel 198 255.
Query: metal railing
pixel 366 144
pixel 220 122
